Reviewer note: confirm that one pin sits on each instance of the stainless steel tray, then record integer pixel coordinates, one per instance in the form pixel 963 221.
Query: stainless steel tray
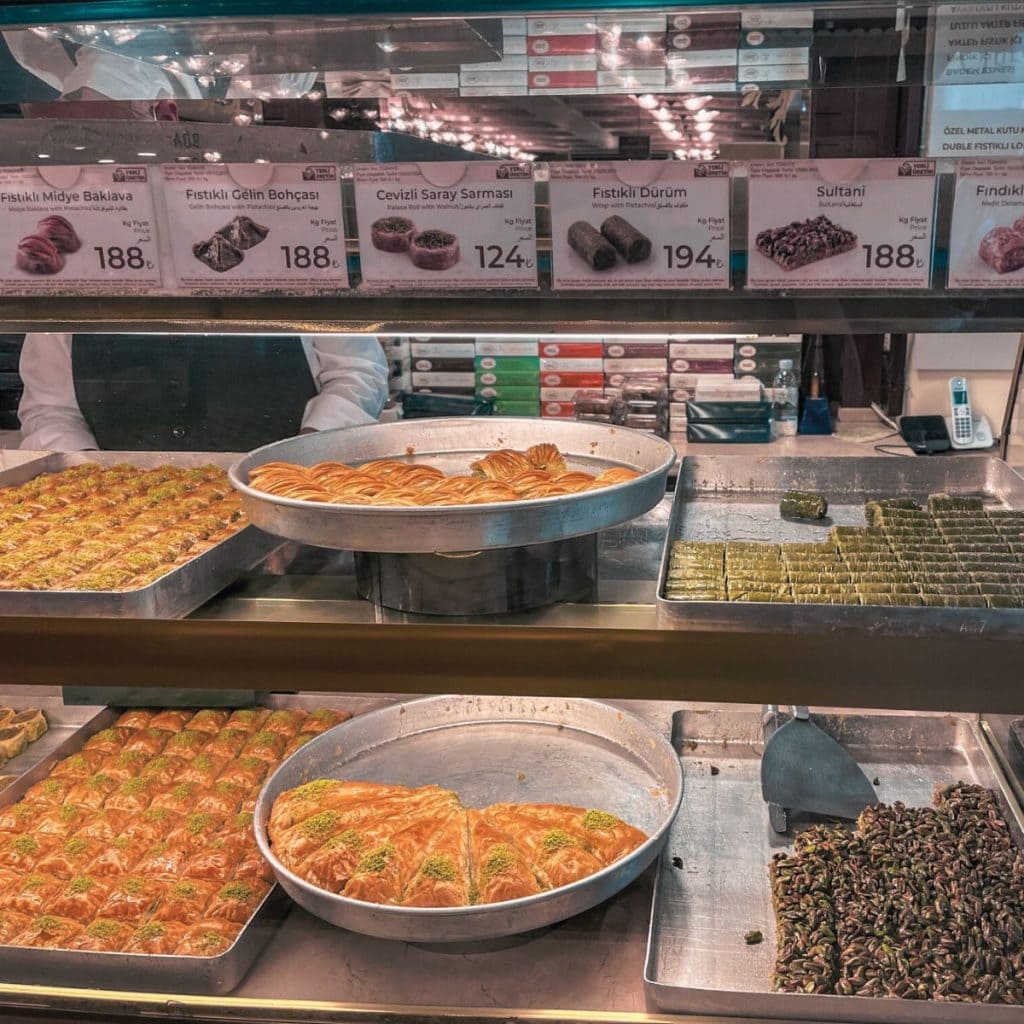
pixel 488 749
pixel 451 444
pixel 697 960
pixel 63 723
pixel 736 497
pixel 175 594
pixel 213 975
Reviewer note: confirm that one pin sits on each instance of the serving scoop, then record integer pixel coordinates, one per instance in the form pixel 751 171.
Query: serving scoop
pixel 803 768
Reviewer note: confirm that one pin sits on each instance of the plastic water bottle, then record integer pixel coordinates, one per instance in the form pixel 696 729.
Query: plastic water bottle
pixel 786 399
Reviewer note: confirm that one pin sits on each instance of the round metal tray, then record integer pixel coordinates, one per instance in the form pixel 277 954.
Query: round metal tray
pixel 490 749
pixel 451 444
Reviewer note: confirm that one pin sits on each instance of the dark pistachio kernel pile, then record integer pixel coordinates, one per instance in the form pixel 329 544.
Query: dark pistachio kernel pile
pixel 915 903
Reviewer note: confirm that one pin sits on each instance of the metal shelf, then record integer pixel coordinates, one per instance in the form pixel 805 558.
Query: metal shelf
pixel 600 651
pixel 531 313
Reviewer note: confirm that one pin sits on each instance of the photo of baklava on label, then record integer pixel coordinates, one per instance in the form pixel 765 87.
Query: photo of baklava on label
pixel 616 238
pixel 224 249
pixel 1003 248
pixel 434 249
pixel 43 252
pixel 217 253
pixel 244 232
pixel 799 243
pixel 392 234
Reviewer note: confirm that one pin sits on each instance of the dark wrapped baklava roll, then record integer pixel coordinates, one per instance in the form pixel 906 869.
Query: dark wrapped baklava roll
pixel 633 245
pixel 591 245
pixel 803 505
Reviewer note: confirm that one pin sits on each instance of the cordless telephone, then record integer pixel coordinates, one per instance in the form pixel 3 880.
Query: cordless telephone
pixel 965 429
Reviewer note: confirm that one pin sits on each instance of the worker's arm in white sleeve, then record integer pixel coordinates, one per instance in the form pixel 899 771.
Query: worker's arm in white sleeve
pixel 50 417
pixel 351 372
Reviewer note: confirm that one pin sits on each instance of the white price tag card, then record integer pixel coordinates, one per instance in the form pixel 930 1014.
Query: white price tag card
pixel 78 231
pixel 986 243
pixel 840 224
pixel 446 225
pixel 254 229
pixel 640 224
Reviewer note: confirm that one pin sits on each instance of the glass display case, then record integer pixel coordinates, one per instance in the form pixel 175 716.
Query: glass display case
pixel 443 454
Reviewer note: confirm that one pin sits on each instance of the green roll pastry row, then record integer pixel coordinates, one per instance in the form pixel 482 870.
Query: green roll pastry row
pixel 952 554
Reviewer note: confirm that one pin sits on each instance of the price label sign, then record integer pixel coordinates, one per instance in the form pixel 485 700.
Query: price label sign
pixel 640 224
pixel 840 224
pixel 256 229
pixel 78 231
pixel 986 244
pixel 446 225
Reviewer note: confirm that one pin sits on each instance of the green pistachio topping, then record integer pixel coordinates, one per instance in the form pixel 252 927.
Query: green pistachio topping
pixel 500 859
pixel 237 891
pixel 313 789
pixel 374 862
pixel 600 820
pixel 556 839
pixel 198 823
pixel 439 866
pixel 103 929
pixel 350 839
pixel 320 826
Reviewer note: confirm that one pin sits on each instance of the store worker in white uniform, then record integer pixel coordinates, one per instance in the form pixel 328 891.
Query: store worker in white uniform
pixel 178 392
pixel 195 392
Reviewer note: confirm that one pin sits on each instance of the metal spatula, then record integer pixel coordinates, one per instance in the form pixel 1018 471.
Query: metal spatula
pixel 803 768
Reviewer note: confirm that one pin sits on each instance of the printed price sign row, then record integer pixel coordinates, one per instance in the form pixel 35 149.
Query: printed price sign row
pixel 78 231
pixel 448 225
pixel 644 224
pixel 840 224
pixel 247 229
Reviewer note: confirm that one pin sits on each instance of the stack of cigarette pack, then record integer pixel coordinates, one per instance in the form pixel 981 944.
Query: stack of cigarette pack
pixel 702 50
pixel 775 46
pixel 504 77
pixel 443 365
pixel 631 53
pixel 561 55
pixel 568 365
pixel 507 370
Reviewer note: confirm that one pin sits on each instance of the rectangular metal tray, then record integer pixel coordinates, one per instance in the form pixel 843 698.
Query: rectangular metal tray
pixel 175 975
pixel 697 960
pixel 736 497
pixel 175 594
pixel 214 975
pixel 63 722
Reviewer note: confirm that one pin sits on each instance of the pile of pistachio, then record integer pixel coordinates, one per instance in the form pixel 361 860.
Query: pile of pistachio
pixel 915 903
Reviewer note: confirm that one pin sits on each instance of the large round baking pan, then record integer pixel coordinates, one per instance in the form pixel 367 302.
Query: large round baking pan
pixel 451 444
pixel 490 749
